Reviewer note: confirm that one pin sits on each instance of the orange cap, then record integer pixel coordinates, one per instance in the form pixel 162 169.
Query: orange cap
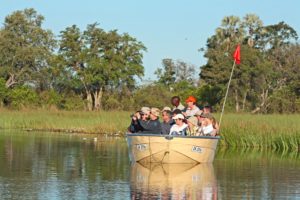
pixel 191 99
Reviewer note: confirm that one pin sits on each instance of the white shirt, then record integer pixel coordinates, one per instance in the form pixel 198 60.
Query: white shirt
pixel 191 112
pixel 178 130
pixel 207 129
pixel 180 107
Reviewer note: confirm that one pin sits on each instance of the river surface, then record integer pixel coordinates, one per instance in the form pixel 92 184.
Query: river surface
pixel 70 166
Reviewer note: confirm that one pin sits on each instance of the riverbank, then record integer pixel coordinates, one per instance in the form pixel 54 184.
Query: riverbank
pixel 112 123
pixel 277 132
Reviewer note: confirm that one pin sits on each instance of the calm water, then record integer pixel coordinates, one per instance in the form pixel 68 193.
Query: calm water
pixel 61 166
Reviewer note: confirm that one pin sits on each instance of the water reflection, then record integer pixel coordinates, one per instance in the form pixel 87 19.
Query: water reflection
pixel 62 166
pixel 52 166
pixel 173 181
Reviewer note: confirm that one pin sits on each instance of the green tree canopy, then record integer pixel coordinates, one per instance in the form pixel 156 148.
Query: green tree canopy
pixel 25 49
pixel 100 61
pixel 263 69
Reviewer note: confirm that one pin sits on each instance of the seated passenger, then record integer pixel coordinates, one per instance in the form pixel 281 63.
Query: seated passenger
pixel 176 111
pixel 134 126
pixel 191 107
pixel 207 108
pixel 145 113
pixel 152 126
pixel 142 115
pixel 192 126
pixel 215 125
pixel 199 118
pixel 175 101
pixel 179 128
pixel 207 128
pixel 167 122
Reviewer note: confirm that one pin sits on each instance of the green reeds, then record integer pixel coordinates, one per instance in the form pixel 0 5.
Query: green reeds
pixel 276 132
pixel 246 131
pixel 113 122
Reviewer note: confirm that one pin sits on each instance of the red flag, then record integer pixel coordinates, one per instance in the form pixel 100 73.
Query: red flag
pixel 237 55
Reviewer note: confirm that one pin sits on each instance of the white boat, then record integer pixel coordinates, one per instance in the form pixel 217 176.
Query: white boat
pixel 151 148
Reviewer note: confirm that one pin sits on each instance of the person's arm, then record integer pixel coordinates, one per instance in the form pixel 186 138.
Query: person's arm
pixel 144 124
pixel 213 133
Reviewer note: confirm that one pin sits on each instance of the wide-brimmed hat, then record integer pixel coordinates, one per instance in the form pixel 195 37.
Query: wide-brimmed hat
pixel 191 99
pixel 145 110
pixel 207 115
pixel 199 113
pixel 193 120
pixel 178 116
pixel 155 111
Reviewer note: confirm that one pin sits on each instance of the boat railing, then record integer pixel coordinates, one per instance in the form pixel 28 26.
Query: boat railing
pixel 169 137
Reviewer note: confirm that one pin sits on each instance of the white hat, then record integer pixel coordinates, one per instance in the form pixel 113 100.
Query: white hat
pixel 178 116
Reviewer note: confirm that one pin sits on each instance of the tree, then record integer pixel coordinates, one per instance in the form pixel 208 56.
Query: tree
pixel 263 70
pixel 173 72
pixel 25 49
pixel 167 74
pixel 100 60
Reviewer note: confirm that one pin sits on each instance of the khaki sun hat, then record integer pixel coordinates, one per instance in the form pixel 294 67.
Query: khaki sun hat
pixel 155 111
pixel 166 108
pixel 193 120
pixel 145 110
pixel 199 113
pixel 207 115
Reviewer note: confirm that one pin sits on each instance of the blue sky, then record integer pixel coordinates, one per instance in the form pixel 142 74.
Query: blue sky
pixel 168 28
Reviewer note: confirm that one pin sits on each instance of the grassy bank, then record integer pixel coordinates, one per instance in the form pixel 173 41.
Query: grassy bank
pixel 66 121
pixel 277 132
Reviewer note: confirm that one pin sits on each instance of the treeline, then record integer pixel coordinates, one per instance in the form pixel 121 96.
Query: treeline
pixel 94 69
pixel 266 81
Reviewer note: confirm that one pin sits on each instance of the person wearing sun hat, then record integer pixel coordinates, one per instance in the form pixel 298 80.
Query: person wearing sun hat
pixel 145 113
pixel 192 108
pixel 192 126
pixel 179 128
pixel 198 116
pixel 207 127
pixel 153 125
pixel 142 115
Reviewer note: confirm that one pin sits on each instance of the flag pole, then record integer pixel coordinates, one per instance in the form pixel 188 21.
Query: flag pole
pixel 228 85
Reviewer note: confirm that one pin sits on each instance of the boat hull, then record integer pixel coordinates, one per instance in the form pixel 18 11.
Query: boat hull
pixel 150 148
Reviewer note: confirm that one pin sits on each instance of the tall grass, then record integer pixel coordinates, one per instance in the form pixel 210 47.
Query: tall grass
pixel 66 121
pixel 276 132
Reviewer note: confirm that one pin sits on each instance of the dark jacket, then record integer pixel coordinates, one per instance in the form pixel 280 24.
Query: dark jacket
pixel 151 126
pixel 135 127
pixel 166 126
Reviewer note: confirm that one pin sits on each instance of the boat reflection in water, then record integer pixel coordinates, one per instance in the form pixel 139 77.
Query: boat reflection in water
pixel 173 181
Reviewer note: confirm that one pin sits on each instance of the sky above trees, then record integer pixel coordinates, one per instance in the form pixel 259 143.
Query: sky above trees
pixel 169 29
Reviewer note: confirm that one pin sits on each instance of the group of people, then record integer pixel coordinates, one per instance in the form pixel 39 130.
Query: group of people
pixel 180 120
